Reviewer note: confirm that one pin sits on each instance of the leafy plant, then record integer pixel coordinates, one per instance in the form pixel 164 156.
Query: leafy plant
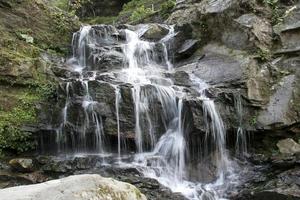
pixel 13 139
pixel 141 13
pixel 276 15
pixel 166 7
pixel 253 121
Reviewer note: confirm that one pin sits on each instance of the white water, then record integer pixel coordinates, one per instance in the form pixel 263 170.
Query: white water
pixel 242 140
pixel 162 157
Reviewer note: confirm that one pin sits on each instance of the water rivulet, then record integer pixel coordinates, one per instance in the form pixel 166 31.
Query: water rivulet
pixel 122 103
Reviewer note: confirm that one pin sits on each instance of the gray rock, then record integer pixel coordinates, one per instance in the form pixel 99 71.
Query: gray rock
pixel 155 32
pixel 283 187
pixel 75 187
pixel 259 27
pixel 288 146
pixel 288 30
pixel 215 68
pixel 215 6
pixel 277 111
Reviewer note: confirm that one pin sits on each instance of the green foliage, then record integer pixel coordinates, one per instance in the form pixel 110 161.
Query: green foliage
pixel 46 90
pixel 140 13
pixel 141 9
pixel 62 4
pixel 166 8
pixel 253 121
pixel 77 4
pixel 264 55
pixel 276 15
pixel 13 139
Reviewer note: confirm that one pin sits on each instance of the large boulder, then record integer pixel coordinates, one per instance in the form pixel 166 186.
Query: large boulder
pixel 288 146
pixel 78 187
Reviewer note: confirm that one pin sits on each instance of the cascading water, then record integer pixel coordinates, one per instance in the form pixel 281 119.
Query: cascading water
pixel 158 106
pixel 242 140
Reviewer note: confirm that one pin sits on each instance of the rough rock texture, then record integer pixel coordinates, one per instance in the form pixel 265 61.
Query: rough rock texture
pixel 75 187
pixel 288 146
pixel 22 164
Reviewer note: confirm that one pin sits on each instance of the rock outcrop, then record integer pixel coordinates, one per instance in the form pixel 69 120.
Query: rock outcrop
pixel 75 187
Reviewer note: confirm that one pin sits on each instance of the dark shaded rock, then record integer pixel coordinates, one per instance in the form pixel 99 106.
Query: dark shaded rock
pixel 101 8
pixel 284 186
pixel 187 49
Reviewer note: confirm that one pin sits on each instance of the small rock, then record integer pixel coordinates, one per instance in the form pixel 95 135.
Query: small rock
pixel 22 164
pixel 288 146
pixel 155 32
pixel 187 49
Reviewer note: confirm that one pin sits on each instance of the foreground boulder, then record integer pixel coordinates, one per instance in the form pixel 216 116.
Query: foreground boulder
pixel 74 188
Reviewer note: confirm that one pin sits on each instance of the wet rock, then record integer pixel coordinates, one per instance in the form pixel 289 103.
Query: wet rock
pixel 105 60
pixel 283 161
pixel 181 78
pixel 288 146
pixel 283 187
pixel 187 49
pixel 155 32
pixel 75 187
pixel 216 68
pixel 22 164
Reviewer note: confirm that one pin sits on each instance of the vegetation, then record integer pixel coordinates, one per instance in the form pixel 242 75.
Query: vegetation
pixel 137 10
pixel 24 82
pixel 140 13
pixel 276 14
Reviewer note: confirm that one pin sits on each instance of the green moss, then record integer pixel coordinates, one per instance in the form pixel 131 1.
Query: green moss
pixel 167 7
pixel 28 29
pixel 137 10
pixel 17 108
pixel 276 13
pixel 253 121
pixel 140 13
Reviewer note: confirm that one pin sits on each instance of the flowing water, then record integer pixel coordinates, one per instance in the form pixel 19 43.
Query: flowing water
pixel 160 116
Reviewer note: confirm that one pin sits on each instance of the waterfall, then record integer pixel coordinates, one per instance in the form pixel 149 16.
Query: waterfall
pixel 158 108
pixel 117 104
pixel 242 138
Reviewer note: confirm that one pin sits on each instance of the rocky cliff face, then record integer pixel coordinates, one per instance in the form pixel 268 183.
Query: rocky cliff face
pixel 248 51
pixel 243 48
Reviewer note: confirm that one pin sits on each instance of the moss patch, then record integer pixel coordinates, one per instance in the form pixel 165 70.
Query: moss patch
pixel 28 28
pixel 139 10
